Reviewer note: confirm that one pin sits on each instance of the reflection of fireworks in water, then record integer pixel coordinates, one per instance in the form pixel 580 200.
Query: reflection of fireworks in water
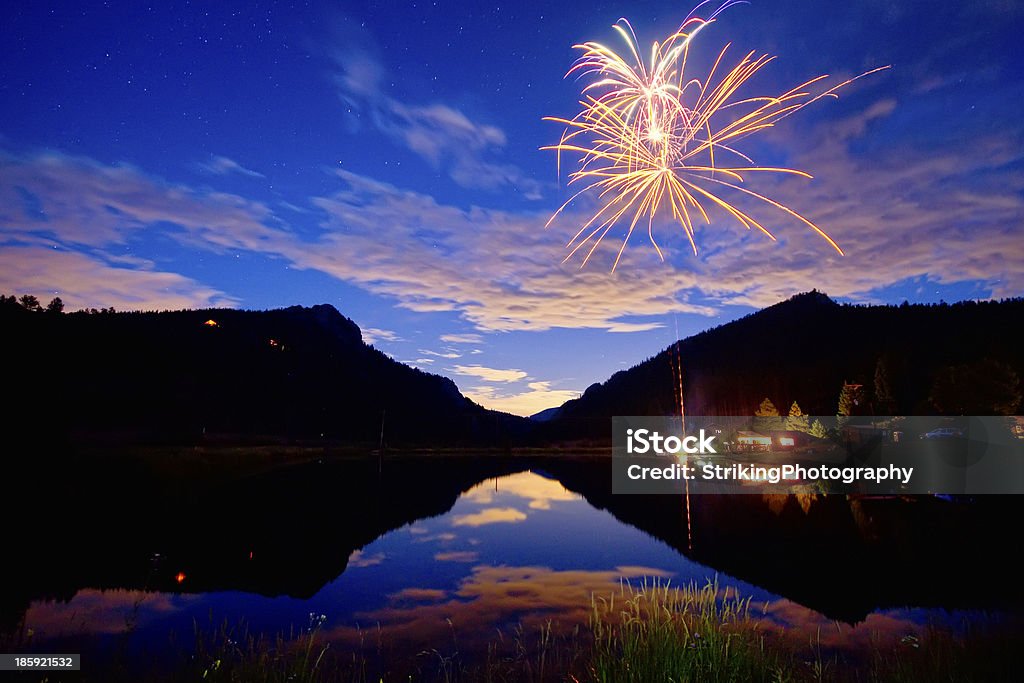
pixel 677 374
pixel 651 138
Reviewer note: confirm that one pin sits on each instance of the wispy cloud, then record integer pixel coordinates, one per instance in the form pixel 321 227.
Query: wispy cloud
pixel 373 335
pixel 500 270
pixel 462 338
pixel 81 209
pixel 448 353
pixel 92 281
pixel 945 214
pixel 224 166
pixel 442 135
pixel 77 200
pixel 901 213
pixel 489 374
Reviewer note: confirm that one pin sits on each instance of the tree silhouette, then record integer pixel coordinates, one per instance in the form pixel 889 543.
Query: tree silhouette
pixel 56 305
pixel 29 302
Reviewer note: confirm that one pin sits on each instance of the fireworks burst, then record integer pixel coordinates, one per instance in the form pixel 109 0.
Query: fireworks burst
pixel 652 139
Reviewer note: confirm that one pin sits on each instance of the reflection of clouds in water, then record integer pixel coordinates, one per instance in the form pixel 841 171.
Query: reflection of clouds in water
pixel 539 490
pixel 360 559
pixel 492 600
pixel 797 622
pixel 445 537
pixel 457 556
pixel 101 612
pixel 419 595
pixel 489 516
pixel 488 599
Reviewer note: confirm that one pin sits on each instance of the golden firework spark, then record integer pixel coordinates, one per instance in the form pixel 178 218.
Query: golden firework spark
pixel 650 138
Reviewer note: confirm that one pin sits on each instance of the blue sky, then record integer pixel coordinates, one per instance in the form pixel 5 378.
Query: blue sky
pixel 384 158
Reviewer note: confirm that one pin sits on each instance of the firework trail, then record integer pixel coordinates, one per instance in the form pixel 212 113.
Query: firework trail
pixel 650 138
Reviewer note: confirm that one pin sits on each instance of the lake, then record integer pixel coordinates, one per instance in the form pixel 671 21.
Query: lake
pixel 421 562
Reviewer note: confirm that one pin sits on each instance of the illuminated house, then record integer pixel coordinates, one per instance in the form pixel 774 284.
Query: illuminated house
pixel 211 323
pixel 782 439
pixel 788 438
pixel 752 441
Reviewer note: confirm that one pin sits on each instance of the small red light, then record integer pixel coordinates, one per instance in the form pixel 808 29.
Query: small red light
pixel 180 577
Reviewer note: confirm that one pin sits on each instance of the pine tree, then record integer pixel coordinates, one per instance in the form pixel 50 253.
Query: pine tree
pixel 849 400
pixel 818 430
pixel 30 302
pixel 885 403
pixel 766 417
pixel 796 421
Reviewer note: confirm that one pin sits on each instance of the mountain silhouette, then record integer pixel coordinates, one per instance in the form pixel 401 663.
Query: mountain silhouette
pixel 188 376
pixel 305 375
pixel 804 349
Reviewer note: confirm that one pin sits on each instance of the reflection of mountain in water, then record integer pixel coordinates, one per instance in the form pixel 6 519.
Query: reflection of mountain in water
pixel 291 531
pixel 843 558
pixel 286 532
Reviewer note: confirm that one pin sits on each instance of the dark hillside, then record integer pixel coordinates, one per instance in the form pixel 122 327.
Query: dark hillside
pixel 184 376
pixel 803 350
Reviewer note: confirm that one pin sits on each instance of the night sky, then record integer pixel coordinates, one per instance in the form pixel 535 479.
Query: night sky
pixel 384 158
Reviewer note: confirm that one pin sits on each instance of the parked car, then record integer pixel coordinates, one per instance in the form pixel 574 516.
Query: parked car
pixel 944 433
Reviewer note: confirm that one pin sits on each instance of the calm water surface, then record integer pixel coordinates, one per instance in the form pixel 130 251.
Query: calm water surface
pixel 514 551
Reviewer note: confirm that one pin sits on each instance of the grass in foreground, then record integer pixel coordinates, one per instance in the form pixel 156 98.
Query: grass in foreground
pixel 660 633
pixel 649 633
